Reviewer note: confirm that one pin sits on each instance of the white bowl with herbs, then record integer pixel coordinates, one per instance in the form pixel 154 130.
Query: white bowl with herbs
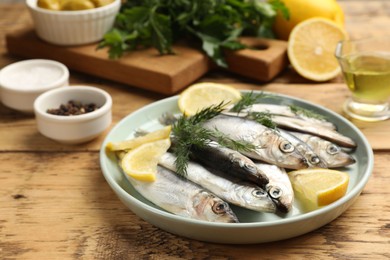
pixel 73 115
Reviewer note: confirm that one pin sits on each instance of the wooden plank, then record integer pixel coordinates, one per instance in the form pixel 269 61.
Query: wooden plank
pixel 64 209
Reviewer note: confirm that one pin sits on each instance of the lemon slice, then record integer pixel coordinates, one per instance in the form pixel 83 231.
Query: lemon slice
pixel 316 187
pixel 135 142
pixel 201 95
pixel 141 162
pixel 311 48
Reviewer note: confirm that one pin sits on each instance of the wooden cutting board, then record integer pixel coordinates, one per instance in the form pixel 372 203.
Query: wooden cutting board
pixel 146 69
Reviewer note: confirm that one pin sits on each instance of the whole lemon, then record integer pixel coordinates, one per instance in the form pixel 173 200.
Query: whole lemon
pixel 301 10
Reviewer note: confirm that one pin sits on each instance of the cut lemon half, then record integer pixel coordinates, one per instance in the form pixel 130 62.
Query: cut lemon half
pixel 201 95
pixel 311 48
pixel 317 187
pixel 141 162
pixel 135 142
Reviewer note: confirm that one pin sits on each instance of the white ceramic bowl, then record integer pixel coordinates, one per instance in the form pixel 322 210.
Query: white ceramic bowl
pixel 254 227
pixel 22 82
pixel 73 27
pixel 78 128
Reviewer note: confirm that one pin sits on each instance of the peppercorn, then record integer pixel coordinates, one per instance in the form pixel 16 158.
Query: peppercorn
pixel 72 108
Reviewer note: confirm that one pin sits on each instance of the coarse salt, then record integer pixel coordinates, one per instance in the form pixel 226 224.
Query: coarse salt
pixel 32 77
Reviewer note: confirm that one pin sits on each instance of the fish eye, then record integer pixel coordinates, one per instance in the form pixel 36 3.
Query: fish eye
pixel 286 147
pixel 220 207
pixel 333 149
pixel 315 159
pixel 275 192
pixel 250 167
pixel 259 193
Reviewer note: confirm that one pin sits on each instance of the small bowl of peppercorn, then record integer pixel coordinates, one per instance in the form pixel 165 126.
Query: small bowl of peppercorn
pixel 73 115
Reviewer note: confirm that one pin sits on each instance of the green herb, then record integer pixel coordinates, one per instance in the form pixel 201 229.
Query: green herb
pixel 306 112
pixel 215 23
pixel 241 146
pixel 188 133
pixel 263 118
pixel 248 99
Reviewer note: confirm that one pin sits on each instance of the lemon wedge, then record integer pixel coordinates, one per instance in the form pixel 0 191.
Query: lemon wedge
pixel 201 95
pixel 317 187
pixel 135 142
pixel 311 48
pixel 141 162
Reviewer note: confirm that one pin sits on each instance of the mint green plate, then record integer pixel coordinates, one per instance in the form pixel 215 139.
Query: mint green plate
pixel 254 227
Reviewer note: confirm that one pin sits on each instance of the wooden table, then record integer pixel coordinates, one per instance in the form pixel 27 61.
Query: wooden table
pixel 55 203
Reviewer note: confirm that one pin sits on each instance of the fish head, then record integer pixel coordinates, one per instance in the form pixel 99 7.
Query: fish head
pixel 335 156
pixel 244 165
pixel 280 195
pixel 279 187
pixel 312 159
pixel 242 162
pixel 213 209
pixel 258 199
pixel 315 161
pixel 285 153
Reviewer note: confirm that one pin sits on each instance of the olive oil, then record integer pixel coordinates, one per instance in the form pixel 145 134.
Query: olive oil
pixel 368 76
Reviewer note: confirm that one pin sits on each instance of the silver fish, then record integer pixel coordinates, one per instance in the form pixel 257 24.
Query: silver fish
pixel 303 148
pixel 184 198
pixel 300 125
pixel 271 147
pixel 329 152
pixel 279 187
pixel 230 162
pixel 284 110
pixel 232 190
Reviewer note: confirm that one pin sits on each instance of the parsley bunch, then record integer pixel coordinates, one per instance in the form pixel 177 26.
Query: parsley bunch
pixel 215 23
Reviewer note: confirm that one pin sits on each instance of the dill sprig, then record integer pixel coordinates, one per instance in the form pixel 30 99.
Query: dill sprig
pixel 223 140
pixel 188 133
pixel 263 118
pixel 207 113
pixel 248 99
pixel 306 112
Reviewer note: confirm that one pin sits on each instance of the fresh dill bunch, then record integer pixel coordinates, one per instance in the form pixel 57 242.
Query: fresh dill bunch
pixel 188 133
pixel 248 99
pixel 263 118
pixel 306 112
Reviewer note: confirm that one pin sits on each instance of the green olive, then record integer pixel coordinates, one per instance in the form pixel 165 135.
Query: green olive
pixel 73 5
pixel 49 4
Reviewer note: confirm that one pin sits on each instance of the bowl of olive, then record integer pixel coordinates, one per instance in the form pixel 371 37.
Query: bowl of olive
pixel 73 22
